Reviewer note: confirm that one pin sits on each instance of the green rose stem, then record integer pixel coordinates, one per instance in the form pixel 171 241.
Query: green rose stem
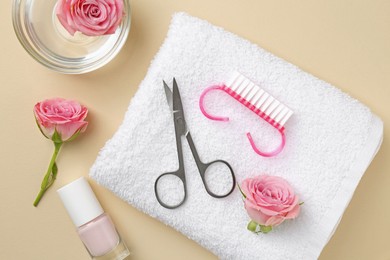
pixel 51 174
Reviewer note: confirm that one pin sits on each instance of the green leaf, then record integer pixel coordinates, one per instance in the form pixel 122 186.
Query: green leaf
pixel 56 137
pixel 54 170
pixel 252 226
pixel 265 229
pixel 300 204
pixel 243 194
pixel 50 175
pixel 53 175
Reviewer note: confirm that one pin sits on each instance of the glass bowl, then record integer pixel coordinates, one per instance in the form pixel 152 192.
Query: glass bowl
pixel 41 34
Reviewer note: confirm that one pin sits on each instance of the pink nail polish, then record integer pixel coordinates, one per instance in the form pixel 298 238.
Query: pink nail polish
pixel 94 227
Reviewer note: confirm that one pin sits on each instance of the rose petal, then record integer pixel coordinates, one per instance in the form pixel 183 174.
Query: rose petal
pixel 294 212
pixel 67 130
pixel 256 215
pixel 62 12
pixel 274 221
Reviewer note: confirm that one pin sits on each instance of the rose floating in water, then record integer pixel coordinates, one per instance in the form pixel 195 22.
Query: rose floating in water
pixel 90 17
pixel 269 200
pixel 59 120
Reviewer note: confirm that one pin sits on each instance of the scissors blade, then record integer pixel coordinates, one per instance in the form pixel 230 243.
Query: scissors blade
pixel 168 95
pixel 180 122
pixel 177 104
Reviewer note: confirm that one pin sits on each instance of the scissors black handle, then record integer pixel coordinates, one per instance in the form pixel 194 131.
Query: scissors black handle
pixel 180 174
pixel 202 167
pixel 203 170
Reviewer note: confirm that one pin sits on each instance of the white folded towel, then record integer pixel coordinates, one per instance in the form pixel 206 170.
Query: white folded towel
pixel 331 140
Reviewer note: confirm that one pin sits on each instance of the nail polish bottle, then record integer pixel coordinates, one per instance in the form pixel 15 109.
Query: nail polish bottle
pixel 94 227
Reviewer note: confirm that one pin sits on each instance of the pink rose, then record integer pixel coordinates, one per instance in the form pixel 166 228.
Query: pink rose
pixel 269 200
pixel 90 17
pixel 59 120
pixel 61 116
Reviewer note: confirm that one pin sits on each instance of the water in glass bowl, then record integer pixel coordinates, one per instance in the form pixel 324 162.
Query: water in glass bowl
pixel 43 36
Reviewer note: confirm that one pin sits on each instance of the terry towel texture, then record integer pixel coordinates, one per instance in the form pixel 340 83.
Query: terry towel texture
pixel 331 140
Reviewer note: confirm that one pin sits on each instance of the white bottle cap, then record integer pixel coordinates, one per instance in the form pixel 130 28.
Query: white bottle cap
pixel 80 201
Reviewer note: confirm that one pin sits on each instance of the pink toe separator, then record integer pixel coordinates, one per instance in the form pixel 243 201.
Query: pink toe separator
pixel 251 107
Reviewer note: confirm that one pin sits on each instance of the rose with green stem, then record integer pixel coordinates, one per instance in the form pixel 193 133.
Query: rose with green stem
pixel 59 120
pixel 269 201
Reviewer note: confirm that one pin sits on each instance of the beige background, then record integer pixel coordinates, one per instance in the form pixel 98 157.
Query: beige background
pixel 346 43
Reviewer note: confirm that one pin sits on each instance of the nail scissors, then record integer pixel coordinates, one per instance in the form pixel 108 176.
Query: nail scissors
pixel 176 107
